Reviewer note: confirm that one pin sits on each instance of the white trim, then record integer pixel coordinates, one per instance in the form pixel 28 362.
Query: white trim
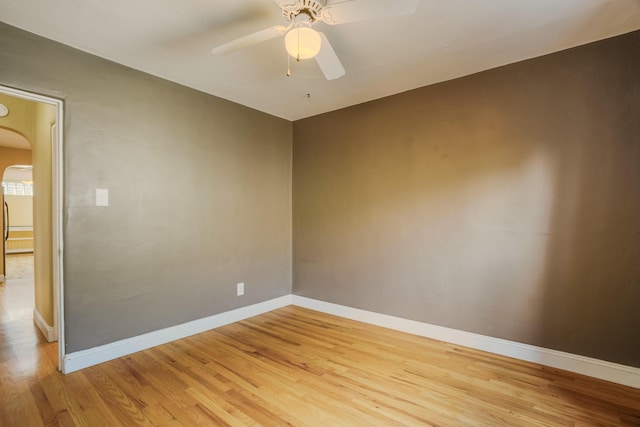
pixel 57 185
pixel 28 95
pixel 21 227
pixel 18 251
pixel 620 374
pixel 93 356
pixel 48 331
pixel 57 203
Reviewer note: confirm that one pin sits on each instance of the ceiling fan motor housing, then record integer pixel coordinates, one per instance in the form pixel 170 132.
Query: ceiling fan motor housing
pixel 308 7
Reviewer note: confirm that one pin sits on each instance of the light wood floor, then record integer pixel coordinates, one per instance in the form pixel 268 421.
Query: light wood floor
pixel 19 266
pixel 298 367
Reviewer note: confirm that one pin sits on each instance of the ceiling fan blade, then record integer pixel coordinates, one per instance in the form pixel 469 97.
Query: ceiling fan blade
pixel 361 10
pixel 328 60
pixel 250 40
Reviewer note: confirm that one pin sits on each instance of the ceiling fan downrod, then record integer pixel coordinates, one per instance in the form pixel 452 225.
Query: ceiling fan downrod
pixel 312 8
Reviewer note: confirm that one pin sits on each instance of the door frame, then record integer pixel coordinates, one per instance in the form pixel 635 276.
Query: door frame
pixel 5 222
pixel 57 203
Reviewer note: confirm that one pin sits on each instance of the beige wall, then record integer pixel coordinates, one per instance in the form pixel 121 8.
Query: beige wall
pixel 44 118
pixel 20 117
pixel 21 210
pixel 21 213
pixel 13 156
pixel 505 203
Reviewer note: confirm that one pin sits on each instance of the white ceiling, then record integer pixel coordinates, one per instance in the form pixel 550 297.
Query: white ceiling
pixel 444 39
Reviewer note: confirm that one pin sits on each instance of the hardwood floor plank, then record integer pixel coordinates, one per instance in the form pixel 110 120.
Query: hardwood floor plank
pixel 44 407
pixel 121 406
pixel 68 412
pixel 298 367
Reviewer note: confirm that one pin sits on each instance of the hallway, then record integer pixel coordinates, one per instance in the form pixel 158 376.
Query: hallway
pixel 22 346
pixel 20 266
pixel 16 294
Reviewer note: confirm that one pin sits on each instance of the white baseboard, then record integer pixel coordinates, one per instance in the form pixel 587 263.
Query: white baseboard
pixel 621 374
pixel 48 331
pixel 93 356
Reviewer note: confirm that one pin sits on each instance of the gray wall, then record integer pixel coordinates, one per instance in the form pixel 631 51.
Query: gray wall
pixel 200 194
pixel 505 203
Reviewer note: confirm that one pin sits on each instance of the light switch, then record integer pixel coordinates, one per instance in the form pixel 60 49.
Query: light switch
pixel 102 197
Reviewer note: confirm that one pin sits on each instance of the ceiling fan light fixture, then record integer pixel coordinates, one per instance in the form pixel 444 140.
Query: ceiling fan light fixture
pixel 302 41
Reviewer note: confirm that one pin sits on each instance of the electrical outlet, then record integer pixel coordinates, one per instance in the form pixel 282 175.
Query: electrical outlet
pixel 240 288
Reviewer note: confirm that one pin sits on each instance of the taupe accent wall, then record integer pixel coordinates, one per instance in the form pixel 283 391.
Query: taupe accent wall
pixel 200 194
pixel 506 203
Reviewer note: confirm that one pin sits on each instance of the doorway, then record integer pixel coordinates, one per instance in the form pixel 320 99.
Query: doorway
pixel 36 119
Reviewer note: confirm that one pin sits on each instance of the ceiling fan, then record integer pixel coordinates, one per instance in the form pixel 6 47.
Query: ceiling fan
pixel 303 42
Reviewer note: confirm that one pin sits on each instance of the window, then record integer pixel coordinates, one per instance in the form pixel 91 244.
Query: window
pixel 17 188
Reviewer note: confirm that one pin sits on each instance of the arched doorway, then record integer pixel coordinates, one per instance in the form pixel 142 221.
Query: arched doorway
pixel 17 297
pixel 15 149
